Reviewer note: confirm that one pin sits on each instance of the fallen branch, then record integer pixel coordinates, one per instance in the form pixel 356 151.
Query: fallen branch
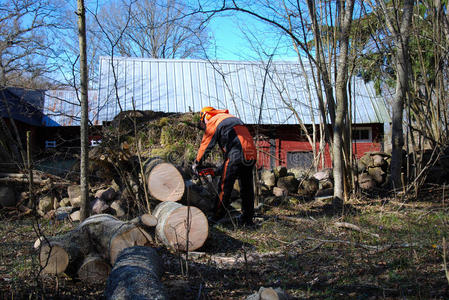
pixel 354 227
pixel 374 249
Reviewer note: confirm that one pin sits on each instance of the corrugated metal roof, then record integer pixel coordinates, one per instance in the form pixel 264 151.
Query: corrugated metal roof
pixel 62 107
pixel 172 85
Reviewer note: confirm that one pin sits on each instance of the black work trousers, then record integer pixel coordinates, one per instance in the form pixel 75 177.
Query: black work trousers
pixel 231 171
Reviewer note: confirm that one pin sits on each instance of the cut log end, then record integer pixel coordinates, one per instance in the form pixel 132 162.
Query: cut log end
pixel 184 228
pixel 94 269
pixel 165 183
pixel 53 259
pixel 133 237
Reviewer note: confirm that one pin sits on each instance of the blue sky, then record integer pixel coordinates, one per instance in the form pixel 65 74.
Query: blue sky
pixel 232 44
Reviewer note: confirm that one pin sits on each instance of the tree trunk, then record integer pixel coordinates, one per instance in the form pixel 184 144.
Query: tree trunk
pixel 401 36
pixel 84 209
pixel 164 181
pixel 136 275
pixel 183 228
pixel 342 104
pixel 102 234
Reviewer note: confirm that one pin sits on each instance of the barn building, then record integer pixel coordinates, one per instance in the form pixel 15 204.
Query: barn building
pixel 272 99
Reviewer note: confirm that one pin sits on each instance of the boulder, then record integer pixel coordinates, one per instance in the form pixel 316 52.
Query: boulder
pixel 106 195
pixel 118 209
pixel 75 216
pixel 325 193
pixel 298 173
pixel 268 178
pixel 279 192
pixel 99 206
pixel 280 171
pixel 378 174
pixel 269 294
pixel 75 202
pixel 64 202
pixel 63 213
pixel 325 174
pixel 45 205
pixel 74 191
pixel 366 182
pixel 308 187
pixel 289 183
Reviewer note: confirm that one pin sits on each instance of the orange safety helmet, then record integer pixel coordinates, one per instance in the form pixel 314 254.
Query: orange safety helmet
pixel 204 113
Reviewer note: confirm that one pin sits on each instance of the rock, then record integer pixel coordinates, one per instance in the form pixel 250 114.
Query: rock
pixel 298 173
pixel 379 161
pixel 366 182
pixel 366 160
pixel 75 216
pixel 63 213
pixel 268 178
pixel 75 202
pixel 325 174
pixel 269 294
pixel 325 184
pixel 117 207
pixel 289 183
pixel 280 171
pixel 279 192
pixel 99 206
pixel 325 193
pixel 106 195
pixel 308 187
pixel 377 174
pixel 7 196
pixel 49 215
pixel 45 205
pixel 64 202
pixel 74 191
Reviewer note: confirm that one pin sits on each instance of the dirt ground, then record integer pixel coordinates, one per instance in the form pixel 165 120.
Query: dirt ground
pixel 396 251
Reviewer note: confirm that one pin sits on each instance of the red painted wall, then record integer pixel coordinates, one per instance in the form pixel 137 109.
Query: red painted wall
pixel 288 139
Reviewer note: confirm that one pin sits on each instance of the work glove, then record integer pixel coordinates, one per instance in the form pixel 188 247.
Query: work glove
pixel 195 168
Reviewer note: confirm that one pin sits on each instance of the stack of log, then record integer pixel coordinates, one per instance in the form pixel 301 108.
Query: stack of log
pixel 91 249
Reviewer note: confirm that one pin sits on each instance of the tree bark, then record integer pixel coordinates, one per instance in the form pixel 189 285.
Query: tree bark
pixel 342 104
pixel 136 275
pixel 401 36
pixel 84 209
pixel 102 234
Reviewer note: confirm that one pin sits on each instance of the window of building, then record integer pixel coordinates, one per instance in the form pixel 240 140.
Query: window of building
pixel 362 134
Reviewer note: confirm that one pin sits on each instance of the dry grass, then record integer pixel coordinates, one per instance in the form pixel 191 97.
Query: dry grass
pixel 296 247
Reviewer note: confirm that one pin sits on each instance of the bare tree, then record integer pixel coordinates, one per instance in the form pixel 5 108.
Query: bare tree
pixel 156 29
pixel 328 53
pixel 24 42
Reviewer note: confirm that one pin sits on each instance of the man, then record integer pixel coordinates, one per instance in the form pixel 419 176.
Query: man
pixel 240 155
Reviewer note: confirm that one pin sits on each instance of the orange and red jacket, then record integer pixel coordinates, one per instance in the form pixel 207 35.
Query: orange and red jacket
pixel 231 135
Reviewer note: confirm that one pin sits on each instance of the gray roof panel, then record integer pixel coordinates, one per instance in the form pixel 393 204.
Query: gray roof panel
pixel 187 85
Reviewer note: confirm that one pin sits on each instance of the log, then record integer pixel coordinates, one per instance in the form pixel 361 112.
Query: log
pixel 63 253
pixel 164 181
pixel 104 233
pixel 172 229
pixel 94 269
pixel 136 275
pixel 111 236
